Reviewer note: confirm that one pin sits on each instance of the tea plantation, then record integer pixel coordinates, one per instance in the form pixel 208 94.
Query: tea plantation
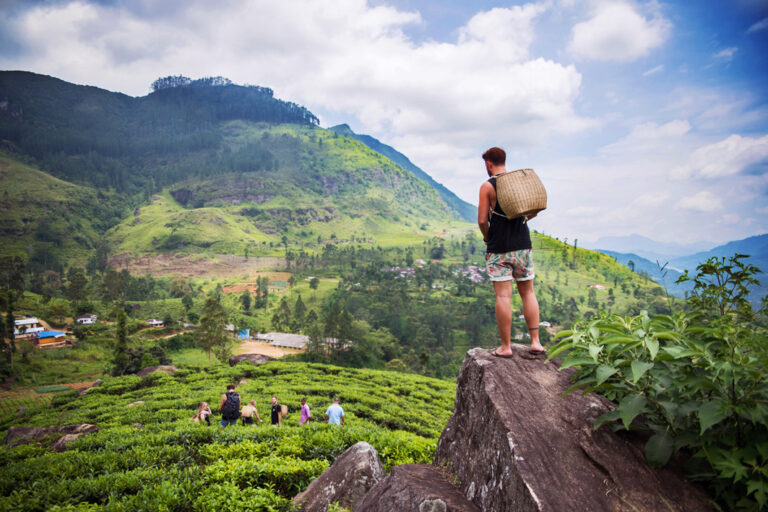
pixel 171 463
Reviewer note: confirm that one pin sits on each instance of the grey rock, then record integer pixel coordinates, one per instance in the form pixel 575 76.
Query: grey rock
pixel 350 476
pixel 514 442
pixel 85 390
pixel 137 402
pixel 415 488
pixel 24 435
pixel 252 358
pixel 167 368
pixel 138 425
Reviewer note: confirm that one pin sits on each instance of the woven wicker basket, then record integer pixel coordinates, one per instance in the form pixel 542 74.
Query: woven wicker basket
pixel 520 193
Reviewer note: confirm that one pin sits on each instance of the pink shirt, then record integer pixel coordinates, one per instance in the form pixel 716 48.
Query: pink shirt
pixel 305 415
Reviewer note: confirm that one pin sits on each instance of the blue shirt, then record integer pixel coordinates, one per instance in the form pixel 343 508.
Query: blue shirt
pixel 335 413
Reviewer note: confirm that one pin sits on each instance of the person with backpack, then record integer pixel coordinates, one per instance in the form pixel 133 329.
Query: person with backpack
pixel 230 407
pixel 248 412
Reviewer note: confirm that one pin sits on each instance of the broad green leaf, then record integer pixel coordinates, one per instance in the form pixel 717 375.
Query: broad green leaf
pixel 603 372
pixel 560 347
pixel 594 351
pixel 563 334
pixel 652 345
pixel 631 406
pixel 594 332
pixel 606 418
pixel 711 413
pixel 659 449
pixel 638 369
pixel 576 361
pixel 617 338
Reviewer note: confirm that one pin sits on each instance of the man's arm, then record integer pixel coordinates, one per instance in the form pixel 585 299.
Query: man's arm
pixel 280 418
pixel 483 207
pixel 223 401
pixel 342 418
pixel 327 417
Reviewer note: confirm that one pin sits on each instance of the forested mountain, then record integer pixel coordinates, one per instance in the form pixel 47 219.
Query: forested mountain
pixel 467 211
pixel 658 271
pixel 261 163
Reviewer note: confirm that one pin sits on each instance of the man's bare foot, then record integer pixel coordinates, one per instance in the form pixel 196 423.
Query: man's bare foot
pixel 537 347
pixel 500 353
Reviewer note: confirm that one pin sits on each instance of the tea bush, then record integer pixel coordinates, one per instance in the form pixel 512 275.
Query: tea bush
pixel 699 378
pixel 170 463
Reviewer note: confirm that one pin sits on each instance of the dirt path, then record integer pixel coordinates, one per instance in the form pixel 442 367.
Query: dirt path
pixel 186 265
pixel 266 349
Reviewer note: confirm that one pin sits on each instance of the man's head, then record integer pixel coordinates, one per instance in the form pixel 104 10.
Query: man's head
pixel 494 157
pixel 230 387
pixel 335 399
pixel 303 401
pixel 274 400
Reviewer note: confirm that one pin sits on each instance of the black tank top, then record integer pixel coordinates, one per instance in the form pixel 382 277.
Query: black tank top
pixel 505 234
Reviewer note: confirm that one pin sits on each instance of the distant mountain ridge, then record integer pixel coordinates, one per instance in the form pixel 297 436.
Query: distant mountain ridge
pixel 646 247
pixel 756 247
pixel 467 211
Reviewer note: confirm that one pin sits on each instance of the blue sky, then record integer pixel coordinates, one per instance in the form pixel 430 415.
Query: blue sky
pixel 640 117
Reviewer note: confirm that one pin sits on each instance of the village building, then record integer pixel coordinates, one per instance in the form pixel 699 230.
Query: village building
pixel 27 327
pixel 50 337
pixel 283 339
pixel 87 319
pixel 154 322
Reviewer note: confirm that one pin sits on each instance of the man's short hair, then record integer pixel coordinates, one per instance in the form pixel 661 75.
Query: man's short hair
pixel 335 399
pixel 230 386
pixel 496 156
pixel 303 399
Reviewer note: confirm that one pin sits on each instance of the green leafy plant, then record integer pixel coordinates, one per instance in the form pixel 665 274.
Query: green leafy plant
pixel 698 379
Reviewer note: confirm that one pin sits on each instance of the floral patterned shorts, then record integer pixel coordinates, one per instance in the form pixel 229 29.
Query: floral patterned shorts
pixel 505 266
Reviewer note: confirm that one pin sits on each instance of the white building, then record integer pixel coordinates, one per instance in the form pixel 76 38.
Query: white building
pixel 26 327
pixel 283 339
pixel 154 322
pixel 87 319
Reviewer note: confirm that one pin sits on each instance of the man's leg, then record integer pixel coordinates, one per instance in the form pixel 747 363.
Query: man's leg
pixel 503 291
pixel 530 311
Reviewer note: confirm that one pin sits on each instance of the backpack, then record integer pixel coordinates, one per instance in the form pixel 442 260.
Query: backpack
pixel 231 409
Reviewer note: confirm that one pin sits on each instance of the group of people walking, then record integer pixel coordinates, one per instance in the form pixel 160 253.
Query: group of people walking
pixel 231 411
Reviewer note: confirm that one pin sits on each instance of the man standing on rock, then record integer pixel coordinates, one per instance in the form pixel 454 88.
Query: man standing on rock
pixel 508 257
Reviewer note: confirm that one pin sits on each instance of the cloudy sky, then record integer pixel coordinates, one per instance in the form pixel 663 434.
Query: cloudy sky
pixel 640 117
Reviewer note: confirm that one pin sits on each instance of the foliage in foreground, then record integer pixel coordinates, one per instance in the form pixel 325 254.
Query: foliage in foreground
pixel 699 379
pixel 174 464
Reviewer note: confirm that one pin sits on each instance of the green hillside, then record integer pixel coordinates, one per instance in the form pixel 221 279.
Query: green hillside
pixel 47 218
pixel 170 463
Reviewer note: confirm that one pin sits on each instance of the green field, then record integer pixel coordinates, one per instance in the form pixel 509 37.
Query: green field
pixel 171 463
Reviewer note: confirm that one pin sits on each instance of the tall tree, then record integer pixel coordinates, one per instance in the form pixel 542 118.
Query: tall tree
pixel 211 333
pixel 77 283
pixel 120 359
pixel 299 314
pixel 245 300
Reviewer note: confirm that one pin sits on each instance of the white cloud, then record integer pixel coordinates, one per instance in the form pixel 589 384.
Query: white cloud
pixel 703 201
pixel 653 71
pixel 650 137
pixel 441 103
pixel 726 54
pixel 617 32
pixel 583 211
pixel 760 25
pixel 732 155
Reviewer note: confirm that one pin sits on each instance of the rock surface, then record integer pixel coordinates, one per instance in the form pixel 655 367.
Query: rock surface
pixel 137 402
pixel 415 488
pixel 350 476
pixel 24 435
pixel 85 390
pixel 253 358
pixel 515 443
pixel 167 368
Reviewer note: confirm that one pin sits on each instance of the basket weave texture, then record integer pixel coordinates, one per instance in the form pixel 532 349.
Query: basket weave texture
pixel 520 193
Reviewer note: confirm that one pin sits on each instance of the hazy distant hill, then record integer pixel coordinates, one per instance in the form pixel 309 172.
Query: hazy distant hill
pixel 645 247
pixel 756 247
pixel 467 211
pixel 665 277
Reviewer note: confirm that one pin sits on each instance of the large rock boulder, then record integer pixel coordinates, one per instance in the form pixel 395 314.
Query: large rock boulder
pixel 415 488
pixel 515 442
pixel 25 435
pixel 252 358
pixel 167 368
pixel 350 476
